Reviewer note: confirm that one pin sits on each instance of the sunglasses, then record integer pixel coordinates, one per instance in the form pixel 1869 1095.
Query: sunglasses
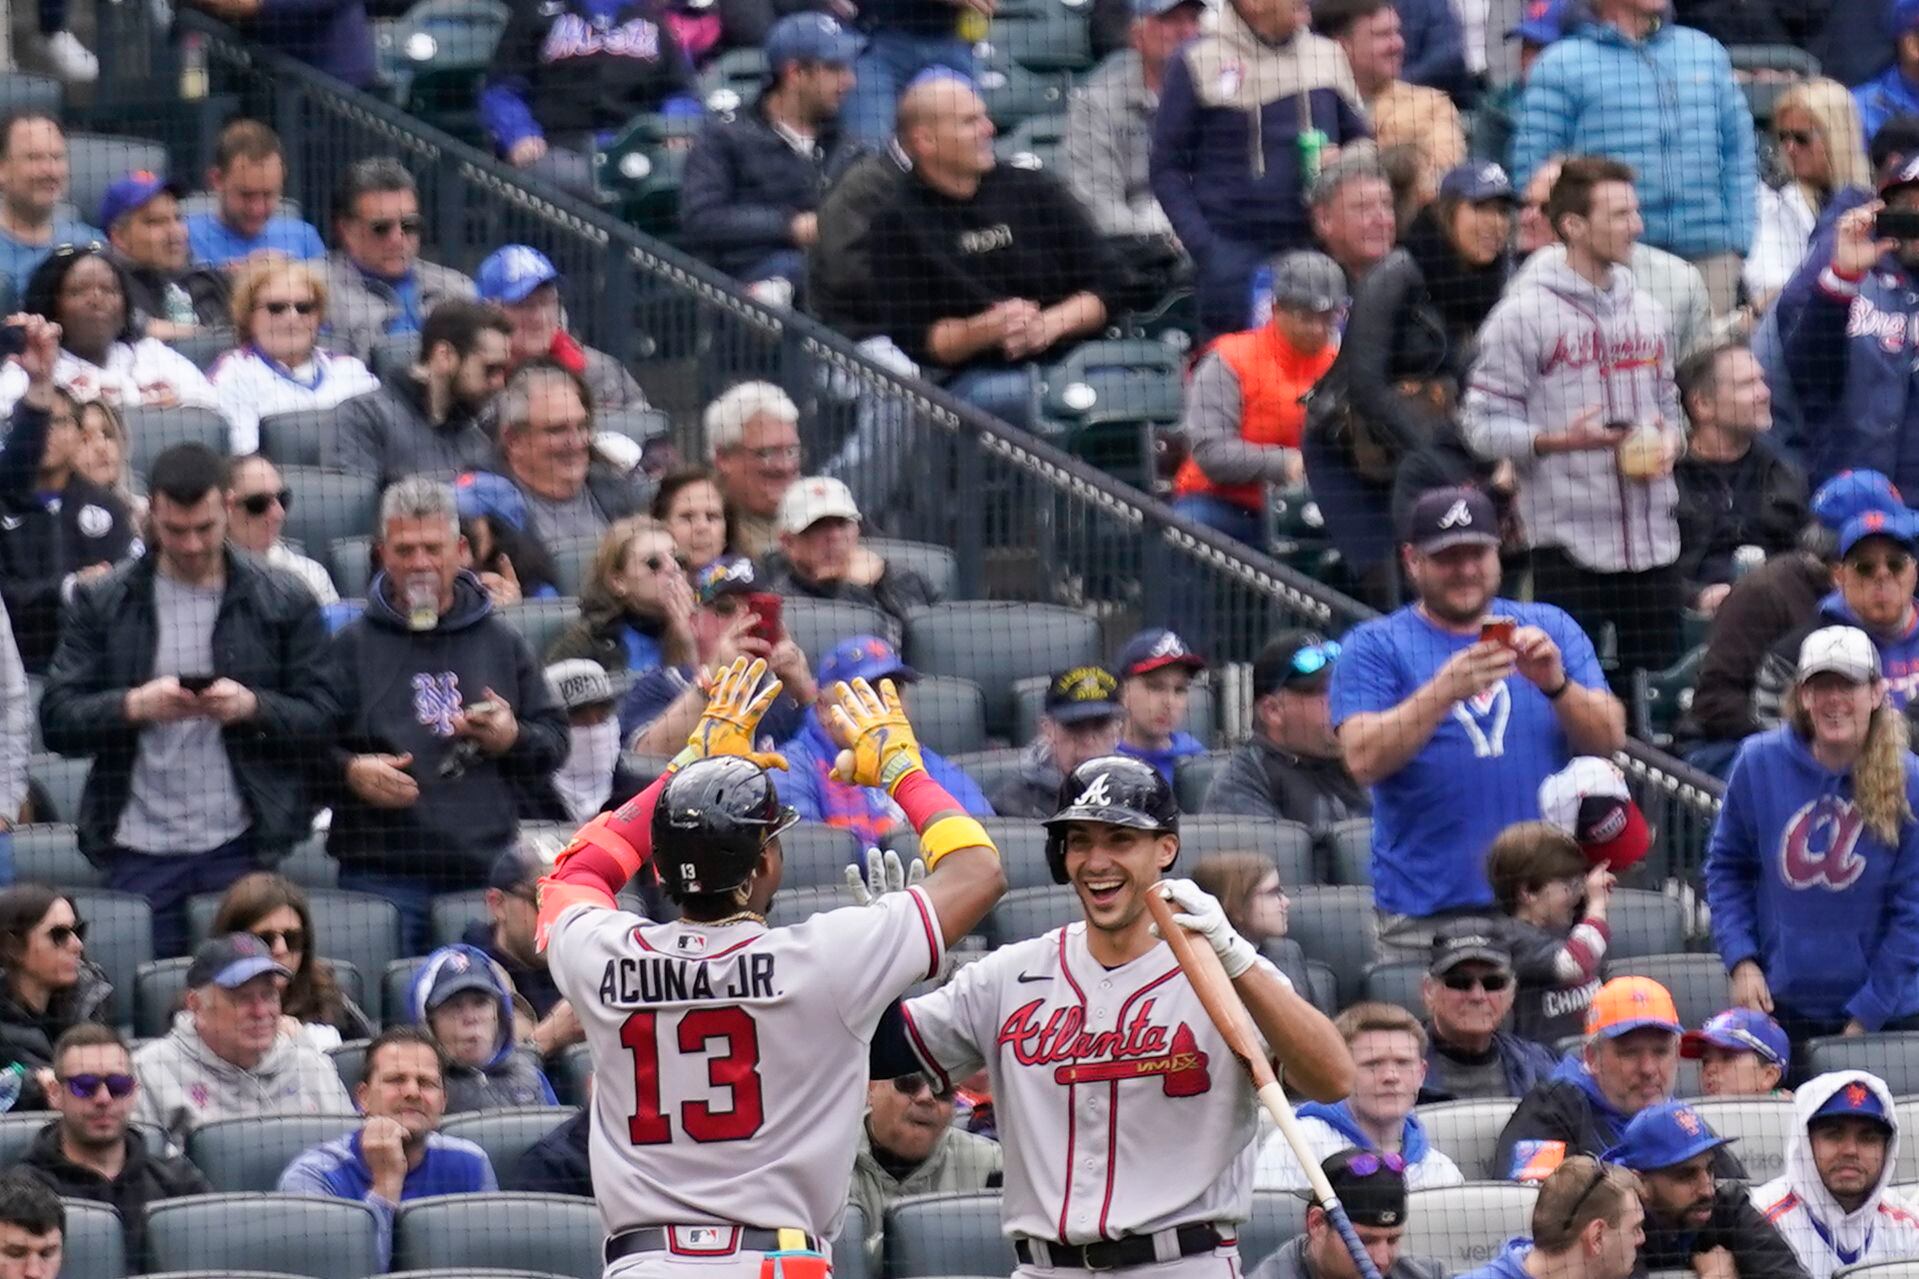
pixel 295 938
pixel 83 1087
pixel 61 934
pixel 1796 138
pixel 1894 564
pixel 910 1085
pixel 259 503
pixel 1491 983
pixel 1368 1163
pixel 281 308
pixel 384 227
pixel 1315 658
pixel 655 562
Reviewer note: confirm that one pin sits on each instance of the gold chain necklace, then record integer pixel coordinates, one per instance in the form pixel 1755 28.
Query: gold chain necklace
pixel 737 917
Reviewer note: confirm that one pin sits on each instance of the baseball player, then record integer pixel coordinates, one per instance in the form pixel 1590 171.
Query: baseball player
pixel 1128 1126
pixel 730 1059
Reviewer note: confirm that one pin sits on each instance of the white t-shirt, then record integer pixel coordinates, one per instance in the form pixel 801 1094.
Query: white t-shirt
pixel 134 374
pixel 252 386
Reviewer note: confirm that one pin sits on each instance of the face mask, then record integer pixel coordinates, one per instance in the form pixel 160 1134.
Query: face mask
pixel 586 779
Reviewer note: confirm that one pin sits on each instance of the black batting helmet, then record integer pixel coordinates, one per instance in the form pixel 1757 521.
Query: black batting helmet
pixel 1117 790
pixel 711 822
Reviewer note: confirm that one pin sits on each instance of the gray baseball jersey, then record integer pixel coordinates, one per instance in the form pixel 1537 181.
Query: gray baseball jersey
pixel 1120 1107
pixel 730 1061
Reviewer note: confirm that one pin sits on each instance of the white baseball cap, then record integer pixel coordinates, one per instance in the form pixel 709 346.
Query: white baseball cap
pixel 809 501
pixel 1842 650
pixel 1589 800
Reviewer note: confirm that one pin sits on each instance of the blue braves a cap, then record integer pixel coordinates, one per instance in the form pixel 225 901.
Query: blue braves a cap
pixel 866 657
pixel 1663 1136
pixel 1901 526
pixel 1855 1098
pixel 1740 1030
pixel 810 37
pixel 1476 182
pixel 1544 23
pixel 1151 649
pixel 510 274
pixel 134 191
pixel 1853 493
pixel 231 961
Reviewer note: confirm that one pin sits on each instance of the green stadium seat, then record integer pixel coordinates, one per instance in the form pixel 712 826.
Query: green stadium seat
pixel 1105 402
pixel 1698 983
pixel 1022 851
pixel 64 780
pixel 1464 1227
pixel 1891 1055
pixel 1397 981
pixel 1031 912
pixel 96 161
pixel 541 621
pixel 1014 92
pixel 949 714
pixel 1660 698
pixel 349 1060
pixel 1762 1126
pixel 445 48
pixel 818 625
pixel 1350 852
pixel 1288 844
pixel 639 171
pixel 733 80
pixel 1037 143
pixel 989 768
pixel 350 562
pixel 816 855
pixel 1193 775
pixel 1045 35
pixel 796 905
pixel 938 565
pixel 120 938
pixel 1335 925
pixel 1645 923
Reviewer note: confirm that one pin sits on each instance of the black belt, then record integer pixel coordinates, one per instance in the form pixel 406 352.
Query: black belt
pixel 660 1239
pixel 1116 1254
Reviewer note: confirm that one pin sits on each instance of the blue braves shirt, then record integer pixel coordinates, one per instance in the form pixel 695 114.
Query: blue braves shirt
pixel 214 243
pixel 1480 771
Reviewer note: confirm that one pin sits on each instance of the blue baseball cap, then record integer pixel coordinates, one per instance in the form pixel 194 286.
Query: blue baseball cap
pixel 1901 526
pixel 1663 1136
pixel 231 961
pixel 810 37
pixel 1544 23
pixel 866 657
pixel 1901 16
pixel 1740 1030
pixel 1856 1098
pixel 132 192
pixel 510 274
pixel 1852 493
pixel 1476 182
pixel 727 575
pixel 1151 649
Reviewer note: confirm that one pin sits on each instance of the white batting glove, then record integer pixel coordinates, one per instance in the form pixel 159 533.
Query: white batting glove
pixel 1198 911
pixel 884 874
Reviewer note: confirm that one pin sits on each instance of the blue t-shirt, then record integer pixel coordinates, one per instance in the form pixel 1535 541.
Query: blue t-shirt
pixel 18 260
pixel 213 243
pixel 1480 771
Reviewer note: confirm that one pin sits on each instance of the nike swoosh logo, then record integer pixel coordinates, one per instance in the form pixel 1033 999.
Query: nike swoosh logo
pixel 1031 977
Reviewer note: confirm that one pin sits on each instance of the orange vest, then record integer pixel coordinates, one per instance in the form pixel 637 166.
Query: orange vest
pixel 1273 377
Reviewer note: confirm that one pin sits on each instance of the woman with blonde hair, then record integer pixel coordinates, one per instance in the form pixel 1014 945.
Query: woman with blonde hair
pixel 279 308
pixel 636 606
pixel 1248 888
pixel 1816 124
pixel 1812 873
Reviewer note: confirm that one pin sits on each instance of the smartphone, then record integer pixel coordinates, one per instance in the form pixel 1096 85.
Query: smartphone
pixel 1499 630
pixel 196 683
pixel 765 607
pixel 485 707
pixel 1897 224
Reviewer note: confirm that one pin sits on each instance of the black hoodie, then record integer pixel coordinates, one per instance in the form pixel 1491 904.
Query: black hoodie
pixel 145 1179
pixel 396 688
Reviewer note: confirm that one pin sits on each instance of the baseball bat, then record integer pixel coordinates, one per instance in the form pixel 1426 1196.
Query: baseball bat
pixel 1235 1025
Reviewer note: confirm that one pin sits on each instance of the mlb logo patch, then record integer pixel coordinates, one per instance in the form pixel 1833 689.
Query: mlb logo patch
pixel 690 944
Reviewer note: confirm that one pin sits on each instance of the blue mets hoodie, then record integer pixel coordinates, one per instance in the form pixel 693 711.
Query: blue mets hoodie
pixel 512 1076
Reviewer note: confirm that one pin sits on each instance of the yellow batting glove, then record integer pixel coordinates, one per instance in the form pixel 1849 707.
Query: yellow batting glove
pixel 877 746
pixel 735 702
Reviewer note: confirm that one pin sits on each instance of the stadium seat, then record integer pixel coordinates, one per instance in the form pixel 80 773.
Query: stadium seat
pixel 1350 852
pixel 1029 912
pixel 996 642
pixel 553 1233
pixel 279 1233
pixel 151 431
pixel 309 866
pixel 639 170
pixel 1029 702
pixel 359 928
pixel 1397 981
pixel 328 505
pixel 946 1235
pixel 1660 698
pixel 222 1274
pixel 572 561
pixel 1278 1215
pixel 989 769
pixel 794 905
pixel 120 938
pixel 1106 402
pixel 571 1076
pixel 159 985
pixel 1464 1227
pixel 95 1241
pixel 506 1133
pixel 1645 923
pixel 1046 35
pixel 1325 987
pixel 1022 851
pixel 1761 1125
pixel 446 48
pixel 732 80
pixel 1469 1131
pixel 96 160
pixel 816 855
pixel 395 353
pixel 349 1061
pixel 1037 143
pixel 1288 844
pixel 459 1272
pixel 1016 93
pixel 817 625
pixel 1193 779
pixel 849 1249
pixel 452 912
pixel 49 853
pixel 204 349
pixel 17 1133
pixel 1698 983
pixel 302 437
pixel 22 90
pixel 642 426
pixel 540 622
pixel 250 1154
pixel 350 561
pixel 1785 65
pixel 1891 1055
pixel 396 983
pixel 1905 1269
pixel 949 714
pixel 63 779
pixel 938 565
pixel 1336 927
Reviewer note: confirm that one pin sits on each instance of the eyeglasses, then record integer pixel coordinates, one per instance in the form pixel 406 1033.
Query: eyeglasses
pixel 1796 137
pixel 1894 563
pixel 1315 658
pixel 1491 983
pixel 775 453
pixel 257 503
pixel 281 308
pixel 294 938
pixel 61 934
pixel 383 227
pixel 910 1085
pixel 83 1087
pixel 1368 1163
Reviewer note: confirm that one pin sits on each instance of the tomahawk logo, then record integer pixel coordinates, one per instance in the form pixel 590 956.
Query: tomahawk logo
pixel 1095 794
pixel 1458 515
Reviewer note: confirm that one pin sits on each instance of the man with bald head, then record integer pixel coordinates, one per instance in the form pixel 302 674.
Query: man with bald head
pixel 981 270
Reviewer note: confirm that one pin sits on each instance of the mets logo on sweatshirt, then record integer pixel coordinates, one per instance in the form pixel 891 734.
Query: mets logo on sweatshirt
pixel 1820 846
pixel 436 700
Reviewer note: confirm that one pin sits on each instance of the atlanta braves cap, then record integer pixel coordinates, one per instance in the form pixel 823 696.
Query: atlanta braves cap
pixel 1452 517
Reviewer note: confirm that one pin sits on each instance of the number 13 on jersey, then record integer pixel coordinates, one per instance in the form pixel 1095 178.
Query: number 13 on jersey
pixel 732 1066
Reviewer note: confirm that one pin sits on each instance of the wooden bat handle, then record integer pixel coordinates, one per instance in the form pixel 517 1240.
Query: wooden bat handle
pixel 1215 990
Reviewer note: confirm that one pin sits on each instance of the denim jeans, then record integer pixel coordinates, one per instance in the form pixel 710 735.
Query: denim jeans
pixel 1005 393
pixel 1230 518
pixel 887 65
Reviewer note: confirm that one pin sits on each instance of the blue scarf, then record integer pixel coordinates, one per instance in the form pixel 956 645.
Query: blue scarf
pixel 1413 1145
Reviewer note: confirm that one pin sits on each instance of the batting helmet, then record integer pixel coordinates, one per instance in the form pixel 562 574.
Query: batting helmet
pixel 711 822
pixel 1117 790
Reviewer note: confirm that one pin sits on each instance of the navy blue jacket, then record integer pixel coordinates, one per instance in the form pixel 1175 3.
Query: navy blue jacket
pixel 743 186
pixel 1435 45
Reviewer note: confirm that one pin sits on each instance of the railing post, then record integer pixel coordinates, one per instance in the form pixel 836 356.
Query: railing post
pixel 969 524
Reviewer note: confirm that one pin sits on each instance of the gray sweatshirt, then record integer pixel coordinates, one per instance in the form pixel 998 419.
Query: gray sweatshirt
pixel 1109 139
pixel 184 1085
pixel 1555 347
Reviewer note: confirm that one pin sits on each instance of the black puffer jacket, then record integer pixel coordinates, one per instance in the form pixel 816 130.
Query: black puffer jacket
pixel 27 1037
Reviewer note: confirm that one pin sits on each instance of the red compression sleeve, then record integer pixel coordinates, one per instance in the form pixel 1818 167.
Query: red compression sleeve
pixel 604 855
pixel 922 799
